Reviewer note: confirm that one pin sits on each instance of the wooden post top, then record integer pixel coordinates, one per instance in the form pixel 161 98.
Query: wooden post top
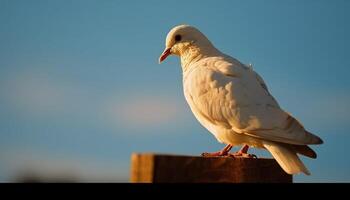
pixel 157 168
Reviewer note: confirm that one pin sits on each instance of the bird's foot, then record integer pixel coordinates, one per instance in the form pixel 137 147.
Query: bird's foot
pixel 214 154
pixel 240 154
pixel 223 152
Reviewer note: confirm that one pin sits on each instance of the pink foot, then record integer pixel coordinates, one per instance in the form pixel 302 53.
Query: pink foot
pixel 223 152
pixel 243 153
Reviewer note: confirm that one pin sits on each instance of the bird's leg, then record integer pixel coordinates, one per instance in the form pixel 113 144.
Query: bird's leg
pixel 223 152
pixel 243 152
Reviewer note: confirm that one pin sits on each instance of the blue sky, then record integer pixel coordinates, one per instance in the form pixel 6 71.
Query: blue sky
pixel 75 76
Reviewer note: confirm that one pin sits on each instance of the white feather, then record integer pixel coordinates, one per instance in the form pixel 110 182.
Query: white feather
pixel 233 102
pixel 286 158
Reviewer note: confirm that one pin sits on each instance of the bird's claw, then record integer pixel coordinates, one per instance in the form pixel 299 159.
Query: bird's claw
pixel 214 154
pixel 242 155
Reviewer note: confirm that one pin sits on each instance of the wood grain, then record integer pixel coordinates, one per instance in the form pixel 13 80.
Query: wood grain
pixel 156 168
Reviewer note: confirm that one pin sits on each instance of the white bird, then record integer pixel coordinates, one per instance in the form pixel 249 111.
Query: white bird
pixel 233 102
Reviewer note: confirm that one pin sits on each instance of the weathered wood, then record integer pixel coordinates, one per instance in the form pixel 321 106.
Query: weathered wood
pixel 154 168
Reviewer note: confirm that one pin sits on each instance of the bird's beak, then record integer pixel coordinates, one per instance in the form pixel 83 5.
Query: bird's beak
pixel 164 55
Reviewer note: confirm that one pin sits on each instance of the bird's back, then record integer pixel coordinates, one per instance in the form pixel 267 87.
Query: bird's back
pixel 227 94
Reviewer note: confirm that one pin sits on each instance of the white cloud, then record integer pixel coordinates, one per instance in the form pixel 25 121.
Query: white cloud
pixel 320 108
pixel 333 107
pixel 35 94
pixel 144 111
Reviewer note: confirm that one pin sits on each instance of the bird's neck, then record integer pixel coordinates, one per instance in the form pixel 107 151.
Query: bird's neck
pixel 194 53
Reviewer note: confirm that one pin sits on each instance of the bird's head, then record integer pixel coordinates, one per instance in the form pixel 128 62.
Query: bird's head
pixel 180 38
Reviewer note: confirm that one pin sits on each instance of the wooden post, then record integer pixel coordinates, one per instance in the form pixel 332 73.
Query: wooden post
pixel 155 168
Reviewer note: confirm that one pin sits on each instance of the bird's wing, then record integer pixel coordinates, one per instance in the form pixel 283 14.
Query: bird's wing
pixel 236 97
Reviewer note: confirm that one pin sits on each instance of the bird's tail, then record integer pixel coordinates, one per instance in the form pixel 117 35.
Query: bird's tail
pixel 286 157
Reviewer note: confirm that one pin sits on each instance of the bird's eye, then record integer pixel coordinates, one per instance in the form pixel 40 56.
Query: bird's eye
pixel 177 38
